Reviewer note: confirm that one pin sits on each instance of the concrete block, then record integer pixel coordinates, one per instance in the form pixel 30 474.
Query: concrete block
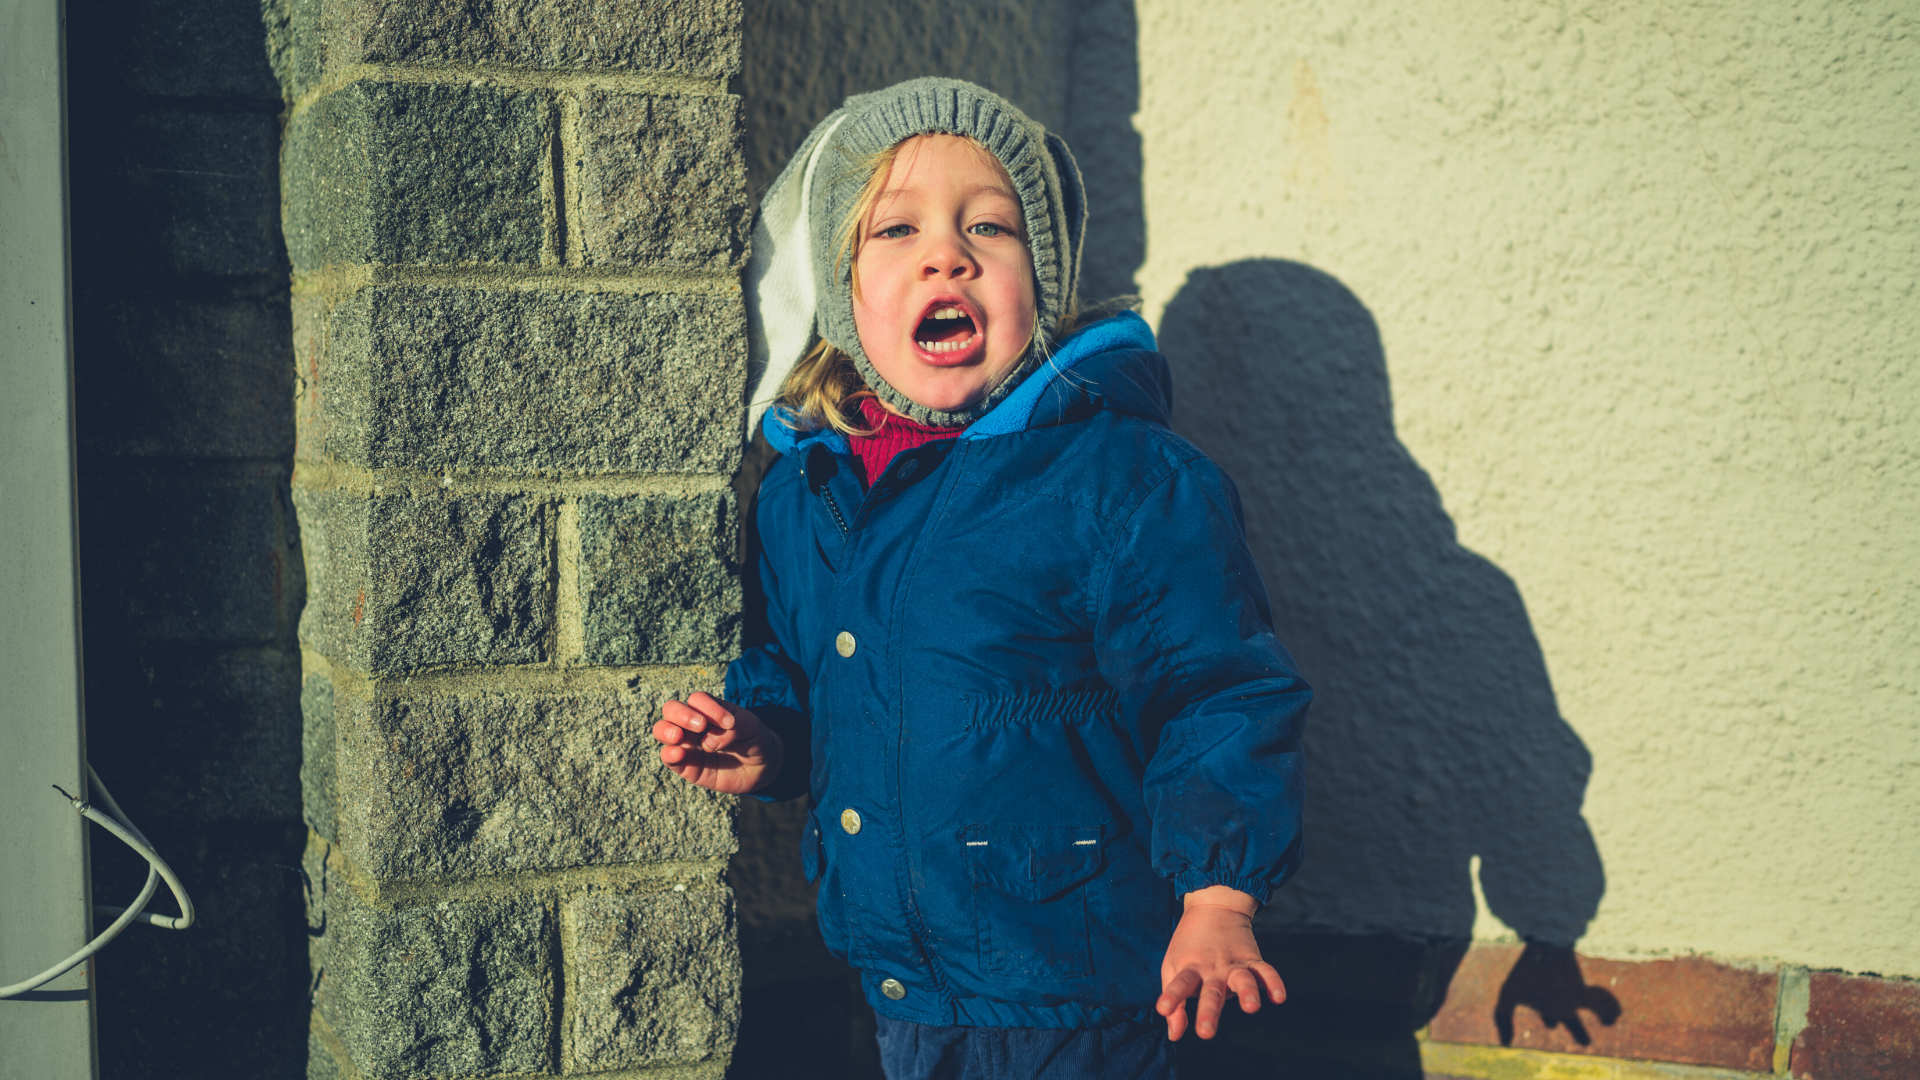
pixel 453 988
pixel 189 377
pixel 295 44
pixel 188 556
pixel 316 867
pixel 654 978
pixel 310 325
pixel 320 1062
pixel 479 783
pixel 663 181
pixel 171 191
pixel 318 786
pixel 192 734
pixel 658 581
pixel 245 946
pixel 405 173
pixel 406 581
pixel 533 381
pixel 193 48
pixel 683 37
pixel 148 1036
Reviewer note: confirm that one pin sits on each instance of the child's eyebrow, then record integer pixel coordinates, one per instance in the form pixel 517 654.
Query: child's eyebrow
pixel 979 189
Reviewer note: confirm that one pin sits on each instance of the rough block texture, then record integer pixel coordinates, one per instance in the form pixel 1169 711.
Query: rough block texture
pixel 453 988
pixel 196 735
pixel 228 994
pixel 177 192
pixel 171 48
pixel 180 556
pixel 295 45
pixel 245 946
pixel 658 581
pixel 191 566
pixel 662 181
pixel 320 1062
pixel 684 37
pixel 1690 1010
pixel 401 582
pixel 319 787
pixel 1859 1028
pixel 435 377
pixel 654 978
pixel 410 173
pixel 485 783
pixel 185 376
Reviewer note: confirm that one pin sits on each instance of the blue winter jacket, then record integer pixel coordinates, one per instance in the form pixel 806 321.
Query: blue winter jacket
pixel 1029 680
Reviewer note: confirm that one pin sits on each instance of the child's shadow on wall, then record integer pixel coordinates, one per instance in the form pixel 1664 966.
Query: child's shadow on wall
pixel 1435 736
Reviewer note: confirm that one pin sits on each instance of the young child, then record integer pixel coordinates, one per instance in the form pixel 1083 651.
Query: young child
pixel 1016 652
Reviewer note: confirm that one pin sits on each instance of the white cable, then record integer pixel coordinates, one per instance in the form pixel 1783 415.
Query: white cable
pixel 157 869
pixel 154 861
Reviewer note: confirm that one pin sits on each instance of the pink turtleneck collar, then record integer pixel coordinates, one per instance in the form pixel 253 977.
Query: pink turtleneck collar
pixel 892 433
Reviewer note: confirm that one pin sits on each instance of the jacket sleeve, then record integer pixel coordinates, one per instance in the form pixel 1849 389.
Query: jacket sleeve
pixel 1185 634
pixel 766 678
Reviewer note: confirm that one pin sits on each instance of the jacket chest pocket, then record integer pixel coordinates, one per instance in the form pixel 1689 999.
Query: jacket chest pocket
pixel 1030 885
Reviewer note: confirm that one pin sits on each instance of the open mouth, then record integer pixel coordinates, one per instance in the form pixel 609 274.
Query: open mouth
pixel 946 328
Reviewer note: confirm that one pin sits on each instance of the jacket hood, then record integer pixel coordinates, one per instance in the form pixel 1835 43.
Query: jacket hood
pixel 1110 364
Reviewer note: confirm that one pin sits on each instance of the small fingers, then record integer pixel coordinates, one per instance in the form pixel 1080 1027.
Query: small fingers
pixel 1206 1015
pixel 683 715
pixel 675 758
pixel 712 708
pixel 1172 1003
pixel 1176 991
pixel 1270 979
pixel 1244 985
pixel 1177 1022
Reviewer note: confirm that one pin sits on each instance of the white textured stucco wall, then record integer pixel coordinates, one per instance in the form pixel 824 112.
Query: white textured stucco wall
pixel 1642 279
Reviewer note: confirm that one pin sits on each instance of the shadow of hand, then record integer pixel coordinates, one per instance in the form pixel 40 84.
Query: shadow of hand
pixel 1548 980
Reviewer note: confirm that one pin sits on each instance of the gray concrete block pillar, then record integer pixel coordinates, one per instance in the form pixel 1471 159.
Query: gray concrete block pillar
pixel 516 232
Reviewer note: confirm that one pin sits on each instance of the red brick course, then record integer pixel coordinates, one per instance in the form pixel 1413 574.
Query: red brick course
pixel 1690 1010
pixel 1859 1028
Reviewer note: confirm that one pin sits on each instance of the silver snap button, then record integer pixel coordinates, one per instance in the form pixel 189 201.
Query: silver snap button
pixel 850 820
pixel 893 989
pixel 843 644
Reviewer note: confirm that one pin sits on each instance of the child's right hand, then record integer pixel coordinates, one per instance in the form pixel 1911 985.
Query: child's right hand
pixel 718 746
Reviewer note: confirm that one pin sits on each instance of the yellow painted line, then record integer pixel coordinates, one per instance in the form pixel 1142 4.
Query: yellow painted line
pixel 1473 1062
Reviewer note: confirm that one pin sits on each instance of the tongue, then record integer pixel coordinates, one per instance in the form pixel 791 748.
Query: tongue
pixel 944 330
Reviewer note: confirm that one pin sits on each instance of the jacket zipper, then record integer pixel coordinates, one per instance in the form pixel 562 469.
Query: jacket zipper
pixel 833 507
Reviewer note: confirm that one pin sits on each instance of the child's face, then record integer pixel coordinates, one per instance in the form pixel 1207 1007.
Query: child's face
pixel 944 305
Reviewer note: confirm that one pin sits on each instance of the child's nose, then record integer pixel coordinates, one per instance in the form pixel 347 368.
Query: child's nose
pixel 947 256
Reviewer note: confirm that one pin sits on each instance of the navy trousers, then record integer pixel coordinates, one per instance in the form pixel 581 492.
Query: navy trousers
pixel 910 1051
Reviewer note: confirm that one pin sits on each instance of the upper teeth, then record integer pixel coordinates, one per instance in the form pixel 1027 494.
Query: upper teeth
pixel 949 313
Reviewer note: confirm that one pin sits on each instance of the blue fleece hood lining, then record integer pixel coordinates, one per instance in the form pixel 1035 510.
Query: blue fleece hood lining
pixel 1124 331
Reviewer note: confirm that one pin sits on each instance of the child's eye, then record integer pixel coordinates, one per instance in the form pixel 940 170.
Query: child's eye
pixel 988 228
pixel 897 232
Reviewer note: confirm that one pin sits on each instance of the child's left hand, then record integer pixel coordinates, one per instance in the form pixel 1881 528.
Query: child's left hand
pixel 1213 954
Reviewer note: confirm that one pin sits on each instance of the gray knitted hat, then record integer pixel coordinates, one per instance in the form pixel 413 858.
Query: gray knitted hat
pixel 793 265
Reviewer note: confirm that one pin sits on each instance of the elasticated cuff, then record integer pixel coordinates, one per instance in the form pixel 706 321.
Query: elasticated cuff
pixel 1187 881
